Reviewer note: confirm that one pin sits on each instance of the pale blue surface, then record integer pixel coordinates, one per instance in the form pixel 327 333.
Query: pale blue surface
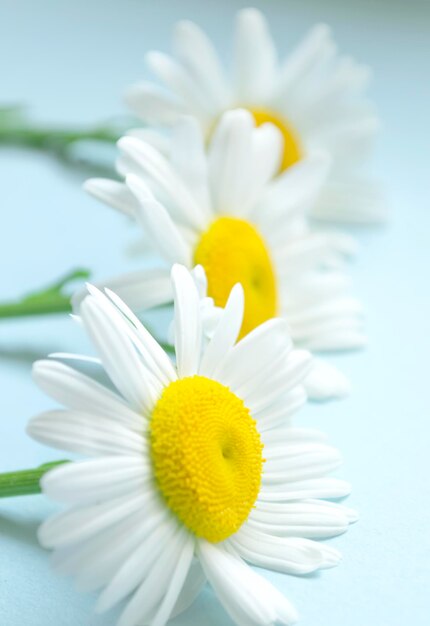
pixel 71 61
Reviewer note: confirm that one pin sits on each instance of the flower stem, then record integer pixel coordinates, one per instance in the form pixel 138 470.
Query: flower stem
pixel 24 482
pixel 48 300
pixel 55 139
pixel 23 309
pixel 16 128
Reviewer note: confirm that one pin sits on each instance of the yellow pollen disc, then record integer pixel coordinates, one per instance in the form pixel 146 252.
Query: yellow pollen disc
pixel 232 251
pixel 207 456
pixel 292 149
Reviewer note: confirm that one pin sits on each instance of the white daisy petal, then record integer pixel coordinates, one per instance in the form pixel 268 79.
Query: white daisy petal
pixel 308 519
pixel 225 334
pixel 278 413
pixel 289 555
pixel 326 310
pixel 249 386
pixel 352 199
pixel 255 58
pixel 154 137
pixel 351 140
pixel 96 480
pixel 81 393
pixel 311 488
pixel 80 523
pixel 285 437
pixel 298 462
pixel 199 275
pixel 153 165
pixel 325 382
pixel 322 340
pixel 249 599
pixel 153 354
pixel 126 164
pixel 198 55
pixel 335 508
pixel 284 376
pixel 346 76
pixel 69 356
pixel 189 161
pixel 325 323
pixel 153 106
pixel 255 352
pixel 156 221
pixel 85 433
pixel 315 286
pixel 176 583
pixel 119 356
pixel 230 161
pixel 161 539
pixel 180 81
pixel 145 603
pixel 96 559
pixel 311 253
pixel 140 290
pixel 191 588
pixel 313 50
pixel 101 560
pixel 267 148
pixel 187 322
pixel 308 79
pixel 296 189
pixel 113 193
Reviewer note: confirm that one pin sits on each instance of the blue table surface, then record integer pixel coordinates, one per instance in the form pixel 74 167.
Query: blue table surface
pixel 71 62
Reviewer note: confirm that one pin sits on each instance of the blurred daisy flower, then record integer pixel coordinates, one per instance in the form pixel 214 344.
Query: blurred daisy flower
pixel 315 97
pixel 196 470
pixel 204 207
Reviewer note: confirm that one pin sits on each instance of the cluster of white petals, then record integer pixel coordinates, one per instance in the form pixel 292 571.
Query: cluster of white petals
pixel 259 287
pixel 321 94
pixel 117 533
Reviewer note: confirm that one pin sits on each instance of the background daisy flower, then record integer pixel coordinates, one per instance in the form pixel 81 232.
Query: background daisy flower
pixel 196 471
pixel 222 208
pixel 315 97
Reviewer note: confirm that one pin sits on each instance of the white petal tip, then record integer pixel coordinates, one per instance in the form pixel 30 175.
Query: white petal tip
pixel 91 185
pixel 352 516
pixel 325 382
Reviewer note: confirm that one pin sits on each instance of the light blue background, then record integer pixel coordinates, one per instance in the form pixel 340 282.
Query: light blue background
pixel 71 61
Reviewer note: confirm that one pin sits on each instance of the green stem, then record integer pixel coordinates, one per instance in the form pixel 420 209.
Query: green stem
pixel 17 129
pixel 55 138
pixel 48 300
pixel 24 309
pixel 24 482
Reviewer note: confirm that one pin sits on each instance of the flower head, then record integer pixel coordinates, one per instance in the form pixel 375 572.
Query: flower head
pixel 205 207
pixel 315 97
pixel 196 469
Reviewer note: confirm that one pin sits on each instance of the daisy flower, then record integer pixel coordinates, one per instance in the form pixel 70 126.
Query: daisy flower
pixel 196 470
pixel 315 97
pixel 200 206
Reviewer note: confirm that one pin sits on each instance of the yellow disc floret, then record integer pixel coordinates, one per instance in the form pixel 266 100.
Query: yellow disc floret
pixel 207 456
pixel 232 251
pixel 292 149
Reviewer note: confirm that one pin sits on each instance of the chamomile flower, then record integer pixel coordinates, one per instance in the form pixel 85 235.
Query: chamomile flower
pixel 315 97
pixel 222 208
pixel 196 471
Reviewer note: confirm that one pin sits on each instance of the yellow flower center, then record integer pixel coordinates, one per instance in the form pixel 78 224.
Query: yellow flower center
pixel 232 251
pixel 292 149
pixel 207 456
